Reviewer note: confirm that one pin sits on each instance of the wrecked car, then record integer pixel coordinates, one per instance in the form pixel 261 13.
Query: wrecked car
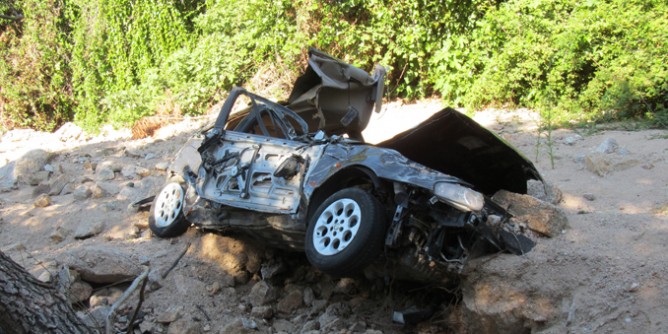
pixel 298 175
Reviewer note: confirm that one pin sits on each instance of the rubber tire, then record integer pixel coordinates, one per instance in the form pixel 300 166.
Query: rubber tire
pixel 178 227
pixel 366 245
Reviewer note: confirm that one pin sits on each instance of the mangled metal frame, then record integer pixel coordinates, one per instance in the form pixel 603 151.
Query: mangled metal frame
pixel 265 170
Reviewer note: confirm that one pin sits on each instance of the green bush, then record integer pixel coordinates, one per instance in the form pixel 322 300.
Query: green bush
pixel 583 58
pixel 115 61
pixel 117 44
pixel 35 88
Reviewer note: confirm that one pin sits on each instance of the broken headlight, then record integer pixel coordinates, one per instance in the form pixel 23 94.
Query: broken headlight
pixel 459 196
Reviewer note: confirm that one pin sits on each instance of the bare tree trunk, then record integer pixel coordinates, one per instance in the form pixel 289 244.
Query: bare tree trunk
pixel 28 305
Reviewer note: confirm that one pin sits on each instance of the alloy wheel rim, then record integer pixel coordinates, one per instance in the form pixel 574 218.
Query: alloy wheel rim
pixel 337 227
pixel 168 205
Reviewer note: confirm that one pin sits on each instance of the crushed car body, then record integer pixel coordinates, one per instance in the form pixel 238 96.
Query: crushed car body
pixel 298 175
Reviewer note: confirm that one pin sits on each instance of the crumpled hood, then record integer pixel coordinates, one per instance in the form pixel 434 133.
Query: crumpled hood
pixel 454 144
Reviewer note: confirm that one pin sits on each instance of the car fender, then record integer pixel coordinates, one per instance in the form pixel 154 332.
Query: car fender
pixel 383 163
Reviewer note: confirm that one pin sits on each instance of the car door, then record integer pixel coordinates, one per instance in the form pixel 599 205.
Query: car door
pixel 258 165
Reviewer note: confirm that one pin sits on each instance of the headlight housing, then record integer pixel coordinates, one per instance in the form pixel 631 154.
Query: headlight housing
pixel 459 196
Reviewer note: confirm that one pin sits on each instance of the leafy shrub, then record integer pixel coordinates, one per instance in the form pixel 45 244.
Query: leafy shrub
pixel 582 58
pixel 35 88
pixel 101 61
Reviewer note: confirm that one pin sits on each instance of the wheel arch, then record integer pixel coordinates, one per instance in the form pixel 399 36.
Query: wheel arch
pixel 351 176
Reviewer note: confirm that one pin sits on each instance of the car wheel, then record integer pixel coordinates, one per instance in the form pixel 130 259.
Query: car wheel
pixel 346 232
pixel 167 219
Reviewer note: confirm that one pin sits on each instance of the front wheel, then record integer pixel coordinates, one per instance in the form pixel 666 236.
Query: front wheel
pixel 167 219
pixel 346 232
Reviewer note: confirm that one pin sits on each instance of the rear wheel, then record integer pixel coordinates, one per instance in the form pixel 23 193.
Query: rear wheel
pixel 167 219
pixel 346 232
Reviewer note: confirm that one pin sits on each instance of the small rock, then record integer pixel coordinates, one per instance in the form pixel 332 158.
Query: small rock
pixel 109 188
pixel 37 178
pixel 41 189
pixel 309 296
pixel 236 327
pixel 69 132
pixel 634 287
pixel 547 191
pixel 79 292
pixel 98 315
pixel 129 172
pixel 68 189
pixel 262 312
pixel 597 164
pixel 127 193
pixel 104 174
pixel 87 229
pixel 105 296
pixel 310 325
pixel 282 325
pixel 227 281
pixel 589 196
pixel 172 314
pixel 162 166
pixel 261 294
pixel 42 201
pixel 58 234
pixel 214 288
pixel 648 166
pixel 373 331
pixel 81 193
pixel 571 140
pixel 149 327
pixel 317 306
pixel 49 168
pixel 184 326
pixel 150 156
pixel 357 327
pixel 45 277
pixel 130 153
pixel 57 184
pixel 345 286
pixel 248 323
pixel 608 146
pixel 97 191
pixel 241 277
pixel 291 301
pixel 331 318
pixel 273 268
pixel 142 172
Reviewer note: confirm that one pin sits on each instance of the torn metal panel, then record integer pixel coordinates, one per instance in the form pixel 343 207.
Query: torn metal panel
pixel 336 97
pixel 242 170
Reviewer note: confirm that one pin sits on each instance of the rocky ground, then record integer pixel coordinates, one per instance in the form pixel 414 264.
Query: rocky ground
pixel 65 200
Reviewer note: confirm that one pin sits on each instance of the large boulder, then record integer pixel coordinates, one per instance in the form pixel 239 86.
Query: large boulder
pixel 541 217
pixel 30 166
pixel 102 264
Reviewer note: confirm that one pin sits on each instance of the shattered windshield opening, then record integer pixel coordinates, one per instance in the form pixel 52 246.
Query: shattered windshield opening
pixel 262 117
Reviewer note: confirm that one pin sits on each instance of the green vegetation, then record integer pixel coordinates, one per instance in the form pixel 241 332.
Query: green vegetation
pixel 114 61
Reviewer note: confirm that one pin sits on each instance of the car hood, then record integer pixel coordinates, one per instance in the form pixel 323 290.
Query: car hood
pixel 454 144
